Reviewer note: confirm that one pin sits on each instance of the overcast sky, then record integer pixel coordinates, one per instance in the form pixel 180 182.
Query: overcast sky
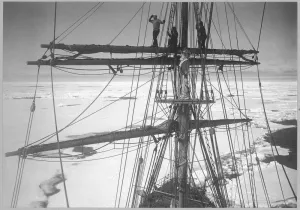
pixel 26 25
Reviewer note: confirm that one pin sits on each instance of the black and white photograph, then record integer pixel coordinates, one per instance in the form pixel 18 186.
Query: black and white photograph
pixel 149 104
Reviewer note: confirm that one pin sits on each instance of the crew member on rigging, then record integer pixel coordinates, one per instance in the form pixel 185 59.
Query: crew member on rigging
pixel 201 34
pixel 172 42
pixel 184 72
pixel 156 28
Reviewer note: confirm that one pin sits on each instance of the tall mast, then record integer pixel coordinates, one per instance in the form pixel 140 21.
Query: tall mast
pixel 183 118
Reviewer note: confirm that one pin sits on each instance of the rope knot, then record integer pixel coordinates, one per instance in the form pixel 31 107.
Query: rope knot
pixel 23 152
pixel 220 68
pixel 32 108
pixel 255 58
pixel 52 61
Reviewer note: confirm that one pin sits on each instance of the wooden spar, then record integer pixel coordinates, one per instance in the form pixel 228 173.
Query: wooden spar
pixel 137 61
pixel 115 136
pixel 90 49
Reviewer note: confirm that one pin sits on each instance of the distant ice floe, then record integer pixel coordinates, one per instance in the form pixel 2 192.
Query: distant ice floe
pixel 280 100
pixel 67 105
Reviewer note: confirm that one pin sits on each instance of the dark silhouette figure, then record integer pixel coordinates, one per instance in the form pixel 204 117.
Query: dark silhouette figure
pixel 201 34
pixel 173 39
pixel 156 28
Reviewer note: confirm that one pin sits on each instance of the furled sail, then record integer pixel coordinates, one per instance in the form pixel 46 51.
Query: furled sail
pixel 163 128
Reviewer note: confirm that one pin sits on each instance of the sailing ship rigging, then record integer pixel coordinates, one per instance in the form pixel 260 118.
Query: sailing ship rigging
pixel 188 109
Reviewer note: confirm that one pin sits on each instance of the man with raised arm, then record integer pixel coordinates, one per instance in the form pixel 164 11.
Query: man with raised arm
pixel 156 28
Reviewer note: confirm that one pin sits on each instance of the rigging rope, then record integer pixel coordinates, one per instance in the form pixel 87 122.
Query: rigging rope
pixel 209 163
pixel 247 125
pixel 250 175
pixel 262 19
pixel 153 119
pixel 17 180
pixel 230 139
pixel 74 24
pixel 126 24
pixel 53 101
pixel 46 138
pixel 240 25
pixel 118 75
pixel 21 162
pixel 80 22
pixel 261 174
pixel 74 120
pixel 21 166
pixel 221 191
pixel 77 20
pixel 263 182
pixel 140 153
pixel 104 69
pixel 124 168
pixel 151 123
pixel 143 123
pixel 268 126
pixel 214 134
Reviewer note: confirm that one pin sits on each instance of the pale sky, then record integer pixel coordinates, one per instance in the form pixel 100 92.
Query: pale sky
pixel 26 25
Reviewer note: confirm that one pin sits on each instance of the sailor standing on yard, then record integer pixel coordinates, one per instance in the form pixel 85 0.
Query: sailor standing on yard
pixel 156 28
pixel 201 34
pixel 172 42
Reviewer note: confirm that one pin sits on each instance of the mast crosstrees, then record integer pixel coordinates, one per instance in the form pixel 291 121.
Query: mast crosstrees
pixel 137 61
pixel 160 59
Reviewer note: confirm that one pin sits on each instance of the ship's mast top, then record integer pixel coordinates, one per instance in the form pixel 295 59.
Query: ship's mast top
pixel 184 20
